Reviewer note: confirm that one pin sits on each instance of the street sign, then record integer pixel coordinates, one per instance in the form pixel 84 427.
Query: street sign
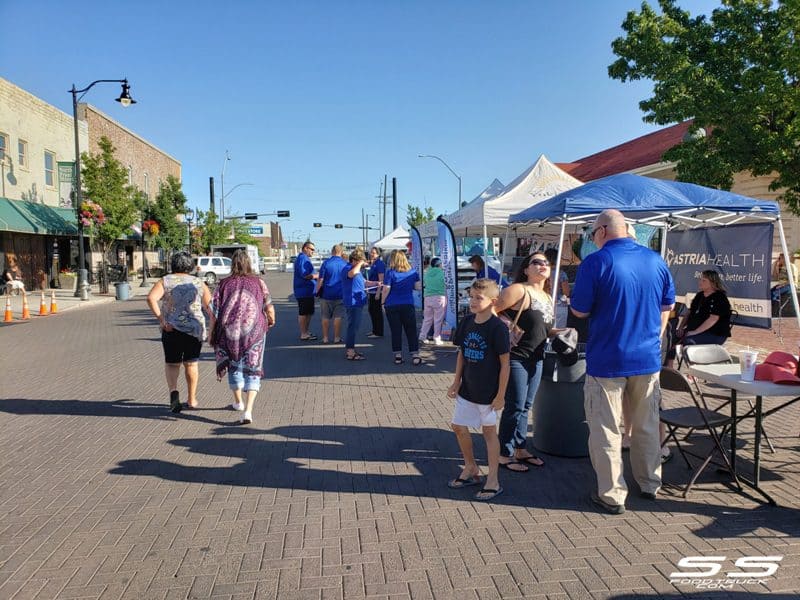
pixel 256 230
pixel 283 214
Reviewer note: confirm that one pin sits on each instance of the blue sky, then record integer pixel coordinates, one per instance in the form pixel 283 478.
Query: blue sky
pixel 316 100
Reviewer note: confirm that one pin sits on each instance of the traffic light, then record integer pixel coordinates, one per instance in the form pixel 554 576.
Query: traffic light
pixel 250 216
pixel 317 224
pixel 282 214
pixel 338 226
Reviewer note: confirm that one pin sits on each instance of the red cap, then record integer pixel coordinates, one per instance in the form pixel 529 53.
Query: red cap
pixel 778 367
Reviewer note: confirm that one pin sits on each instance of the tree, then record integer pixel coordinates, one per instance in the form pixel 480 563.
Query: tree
pixel 105 182
pixel 415 216
pixel 210 232
pixel 736 74
pixel 169 203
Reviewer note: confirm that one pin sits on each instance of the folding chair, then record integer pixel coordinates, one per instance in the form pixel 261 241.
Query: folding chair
pixel 713 354
pixel 680 350
pixel 694 416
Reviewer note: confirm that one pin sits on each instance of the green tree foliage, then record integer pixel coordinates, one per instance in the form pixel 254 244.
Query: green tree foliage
pixel 169 203
pixel 209 232
pixel 416 216
pixel 105 181
pixel 737 74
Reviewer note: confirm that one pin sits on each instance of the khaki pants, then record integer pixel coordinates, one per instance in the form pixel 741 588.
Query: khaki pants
pixel 603 407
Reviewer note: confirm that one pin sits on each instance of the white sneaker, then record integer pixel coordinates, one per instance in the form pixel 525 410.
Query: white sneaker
pixel 438 341
pixel 237 406
pixel 246 418
pixel 423 341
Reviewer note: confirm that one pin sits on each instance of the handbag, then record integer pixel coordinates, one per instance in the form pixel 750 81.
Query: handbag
pixel 515 332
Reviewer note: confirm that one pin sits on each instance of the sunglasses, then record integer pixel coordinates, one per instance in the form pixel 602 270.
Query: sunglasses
pixel 595 230
pixel 539 262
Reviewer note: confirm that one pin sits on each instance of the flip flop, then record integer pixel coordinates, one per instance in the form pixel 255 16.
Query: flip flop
pixel 416 361
pixel 355 356
pixel 459 482
pixel 494 493
pixel 338 341
pixel 507 466
pixel 531 460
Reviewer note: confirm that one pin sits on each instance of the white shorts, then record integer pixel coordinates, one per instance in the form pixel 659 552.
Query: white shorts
pixel 469 414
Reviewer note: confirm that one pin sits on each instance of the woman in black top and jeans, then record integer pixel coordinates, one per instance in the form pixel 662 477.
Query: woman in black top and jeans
pixel 529 293
pixel 709 318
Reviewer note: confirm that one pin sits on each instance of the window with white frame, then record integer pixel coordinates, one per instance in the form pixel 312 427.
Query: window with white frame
pixel 146 186
pixel 22 154
pixel 3 145
pixel 130 175
pixel 49 168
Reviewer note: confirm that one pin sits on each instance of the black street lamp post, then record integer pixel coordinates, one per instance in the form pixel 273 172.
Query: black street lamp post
pixel 82 290
pixel 456 175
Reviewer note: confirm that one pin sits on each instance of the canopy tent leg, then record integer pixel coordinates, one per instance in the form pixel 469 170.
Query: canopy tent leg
pixel 789 270
pixel 486 253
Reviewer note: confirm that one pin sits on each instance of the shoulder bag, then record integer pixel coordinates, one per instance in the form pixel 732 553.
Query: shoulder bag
pixel 515 332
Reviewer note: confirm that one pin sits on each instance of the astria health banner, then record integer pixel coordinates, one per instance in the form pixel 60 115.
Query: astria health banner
pixel 447 253
pixel 741 254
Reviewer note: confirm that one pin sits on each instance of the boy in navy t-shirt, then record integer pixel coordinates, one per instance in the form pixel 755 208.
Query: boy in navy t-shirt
pixel 479 385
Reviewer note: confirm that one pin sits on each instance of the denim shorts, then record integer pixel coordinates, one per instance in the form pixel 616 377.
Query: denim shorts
pixel 238 380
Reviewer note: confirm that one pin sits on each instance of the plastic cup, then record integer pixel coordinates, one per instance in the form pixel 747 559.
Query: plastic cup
pixel 747 360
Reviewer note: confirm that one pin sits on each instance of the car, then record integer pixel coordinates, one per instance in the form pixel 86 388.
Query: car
pixel 211 268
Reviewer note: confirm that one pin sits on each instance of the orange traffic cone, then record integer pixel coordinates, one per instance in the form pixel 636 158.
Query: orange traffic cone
pixel 8 316
pixel 26 313
pixel 53 306
pixel 42 307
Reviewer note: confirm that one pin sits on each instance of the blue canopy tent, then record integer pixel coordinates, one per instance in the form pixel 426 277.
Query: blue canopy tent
pixel 667 204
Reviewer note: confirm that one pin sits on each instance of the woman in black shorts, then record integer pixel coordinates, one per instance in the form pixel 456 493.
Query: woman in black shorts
pixel 178 301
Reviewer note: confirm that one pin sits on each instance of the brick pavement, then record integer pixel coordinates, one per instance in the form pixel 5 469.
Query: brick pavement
pixel 336 491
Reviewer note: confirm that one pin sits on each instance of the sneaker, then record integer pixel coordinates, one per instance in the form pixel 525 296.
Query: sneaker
pixel 612 509
pixel 647 495
pixel 423 341
pixel 236 406
pixel 438 341
pixel 374 335
pixel 246 418
pixel 175 401
pixel 666 457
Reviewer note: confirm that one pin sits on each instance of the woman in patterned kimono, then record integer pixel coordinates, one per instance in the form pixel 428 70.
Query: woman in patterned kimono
pixel 244 313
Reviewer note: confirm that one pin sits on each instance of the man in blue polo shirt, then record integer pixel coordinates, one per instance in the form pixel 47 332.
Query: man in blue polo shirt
pixel 303 281
pixel 628 291
pixel 329 290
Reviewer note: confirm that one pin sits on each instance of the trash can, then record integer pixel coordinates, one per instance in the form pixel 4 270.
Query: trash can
pixel 559 421
pixel 123 290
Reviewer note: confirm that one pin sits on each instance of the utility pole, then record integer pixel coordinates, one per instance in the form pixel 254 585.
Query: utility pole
pixel 211 194
pixel 394 203
pixel 383 227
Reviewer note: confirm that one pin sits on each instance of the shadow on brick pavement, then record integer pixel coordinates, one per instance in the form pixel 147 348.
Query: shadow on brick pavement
pixel 336 491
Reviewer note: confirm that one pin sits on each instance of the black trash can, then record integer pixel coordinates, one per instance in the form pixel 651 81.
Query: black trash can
pixel 559 421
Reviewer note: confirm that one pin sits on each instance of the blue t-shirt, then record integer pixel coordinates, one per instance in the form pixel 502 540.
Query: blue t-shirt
pixel 402 284
pixel 493 275
pixel 623 287
pixel 377 268
pixel 331 273
pixel 303 288
pixel 353 292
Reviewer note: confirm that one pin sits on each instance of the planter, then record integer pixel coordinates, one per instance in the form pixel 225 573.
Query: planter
pixel 68 281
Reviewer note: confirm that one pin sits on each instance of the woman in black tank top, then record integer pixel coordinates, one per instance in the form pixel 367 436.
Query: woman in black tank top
pixel 530 295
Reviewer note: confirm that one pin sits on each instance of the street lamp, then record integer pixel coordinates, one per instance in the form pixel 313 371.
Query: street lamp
pixel 82 291
pixel 222 188
pixel 189 217
pixel 223 196
pixel 457 176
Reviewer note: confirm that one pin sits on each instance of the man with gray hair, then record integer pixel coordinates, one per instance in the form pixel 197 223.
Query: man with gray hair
pixel 628 291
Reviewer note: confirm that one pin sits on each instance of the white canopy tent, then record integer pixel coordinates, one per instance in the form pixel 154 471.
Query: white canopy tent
pixel 394 240
pixel 429 229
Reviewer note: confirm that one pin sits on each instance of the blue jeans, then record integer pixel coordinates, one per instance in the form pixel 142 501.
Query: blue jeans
pixel 402 317
pixel 522 385
pixel 353 314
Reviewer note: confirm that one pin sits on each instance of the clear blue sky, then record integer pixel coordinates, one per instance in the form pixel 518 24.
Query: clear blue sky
pixel 317 100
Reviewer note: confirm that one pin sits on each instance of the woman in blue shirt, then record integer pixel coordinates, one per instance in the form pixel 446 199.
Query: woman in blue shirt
pixel 354 297
pixel 399 284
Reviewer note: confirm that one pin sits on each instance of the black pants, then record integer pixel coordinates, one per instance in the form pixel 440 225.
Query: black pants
pixel 375 314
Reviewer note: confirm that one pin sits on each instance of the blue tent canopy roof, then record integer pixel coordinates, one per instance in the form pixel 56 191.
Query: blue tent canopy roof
pixel 637 195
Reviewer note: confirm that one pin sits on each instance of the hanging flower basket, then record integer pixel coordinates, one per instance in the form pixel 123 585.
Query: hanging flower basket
pixel 151 227
pixel 91 214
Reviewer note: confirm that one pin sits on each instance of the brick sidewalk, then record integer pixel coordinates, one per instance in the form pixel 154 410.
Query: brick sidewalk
pixel 336 491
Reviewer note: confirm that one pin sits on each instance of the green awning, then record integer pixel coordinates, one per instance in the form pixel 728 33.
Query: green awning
pixel 30 217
